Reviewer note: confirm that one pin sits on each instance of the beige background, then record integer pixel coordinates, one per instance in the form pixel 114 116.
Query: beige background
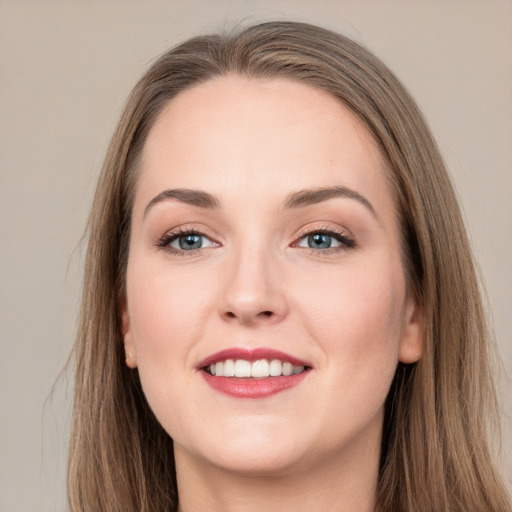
pixel 65 70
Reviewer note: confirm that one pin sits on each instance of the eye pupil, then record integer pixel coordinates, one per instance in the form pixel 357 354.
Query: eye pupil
pixel 190 242
pixel 319 241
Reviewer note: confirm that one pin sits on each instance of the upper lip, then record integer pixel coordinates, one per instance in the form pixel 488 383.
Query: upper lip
pixel 251 355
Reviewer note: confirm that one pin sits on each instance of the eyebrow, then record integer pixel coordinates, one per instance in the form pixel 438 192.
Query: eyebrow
pixel 298 199
pixel 187 196
pixel 312 196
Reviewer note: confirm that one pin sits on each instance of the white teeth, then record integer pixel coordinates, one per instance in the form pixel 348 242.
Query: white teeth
pixel 242 368
pixel 229 368
pixel 276 368
pixel 287 369
pixel 258 369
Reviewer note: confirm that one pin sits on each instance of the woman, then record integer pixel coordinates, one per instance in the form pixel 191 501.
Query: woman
pixel 280 305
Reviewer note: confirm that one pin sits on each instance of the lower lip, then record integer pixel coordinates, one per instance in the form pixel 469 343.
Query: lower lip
pixel 253 388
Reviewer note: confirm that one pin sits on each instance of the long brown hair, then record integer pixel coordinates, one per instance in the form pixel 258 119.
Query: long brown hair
pixel 435 455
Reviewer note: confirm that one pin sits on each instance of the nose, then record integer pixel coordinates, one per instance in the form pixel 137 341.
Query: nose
pixel 253 292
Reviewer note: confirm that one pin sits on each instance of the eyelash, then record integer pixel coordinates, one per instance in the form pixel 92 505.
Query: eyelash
pixel 165 241
pixel 343 237
pixel 347 242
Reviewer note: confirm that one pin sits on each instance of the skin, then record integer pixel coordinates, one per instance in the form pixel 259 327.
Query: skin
pixel 257 283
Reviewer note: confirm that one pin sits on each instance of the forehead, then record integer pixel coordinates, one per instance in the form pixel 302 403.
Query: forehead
pixel 266 136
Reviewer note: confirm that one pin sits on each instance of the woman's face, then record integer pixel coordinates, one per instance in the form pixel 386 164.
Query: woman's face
pixel 264 241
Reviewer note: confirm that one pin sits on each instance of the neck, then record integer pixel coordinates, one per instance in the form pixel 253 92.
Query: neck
pixel 345 482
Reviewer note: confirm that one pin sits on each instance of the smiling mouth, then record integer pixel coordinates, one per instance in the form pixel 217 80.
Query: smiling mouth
pixel 259 369
pixel 253 373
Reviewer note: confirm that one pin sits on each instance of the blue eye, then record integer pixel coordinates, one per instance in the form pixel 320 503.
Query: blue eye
pixel 322 240
pixel 181 242
pixel 188 242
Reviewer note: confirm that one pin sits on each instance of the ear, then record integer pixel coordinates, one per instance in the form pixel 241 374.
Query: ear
pixel 411 345
pixel 129 345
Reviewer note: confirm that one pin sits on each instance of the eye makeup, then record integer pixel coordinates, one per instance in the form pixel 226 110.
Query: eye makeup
pixel 185 241
pixel 321 239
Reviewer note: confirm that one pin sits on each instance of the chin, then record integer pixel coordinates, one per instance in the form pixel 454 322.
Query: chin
pixel 264 451
pixel 265 463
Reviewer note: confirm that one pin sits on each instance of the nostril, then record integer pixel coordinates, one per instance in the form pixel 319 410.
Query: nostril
pixel 266 314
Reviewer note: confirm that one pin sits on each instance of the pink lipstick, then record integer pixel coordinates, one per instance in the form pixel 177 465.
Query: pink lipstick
pixel 252 373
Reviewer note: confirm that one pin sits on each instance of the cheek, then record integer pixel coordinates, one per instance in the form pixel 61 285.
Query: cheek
pixel 357 319
pixel 168 312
